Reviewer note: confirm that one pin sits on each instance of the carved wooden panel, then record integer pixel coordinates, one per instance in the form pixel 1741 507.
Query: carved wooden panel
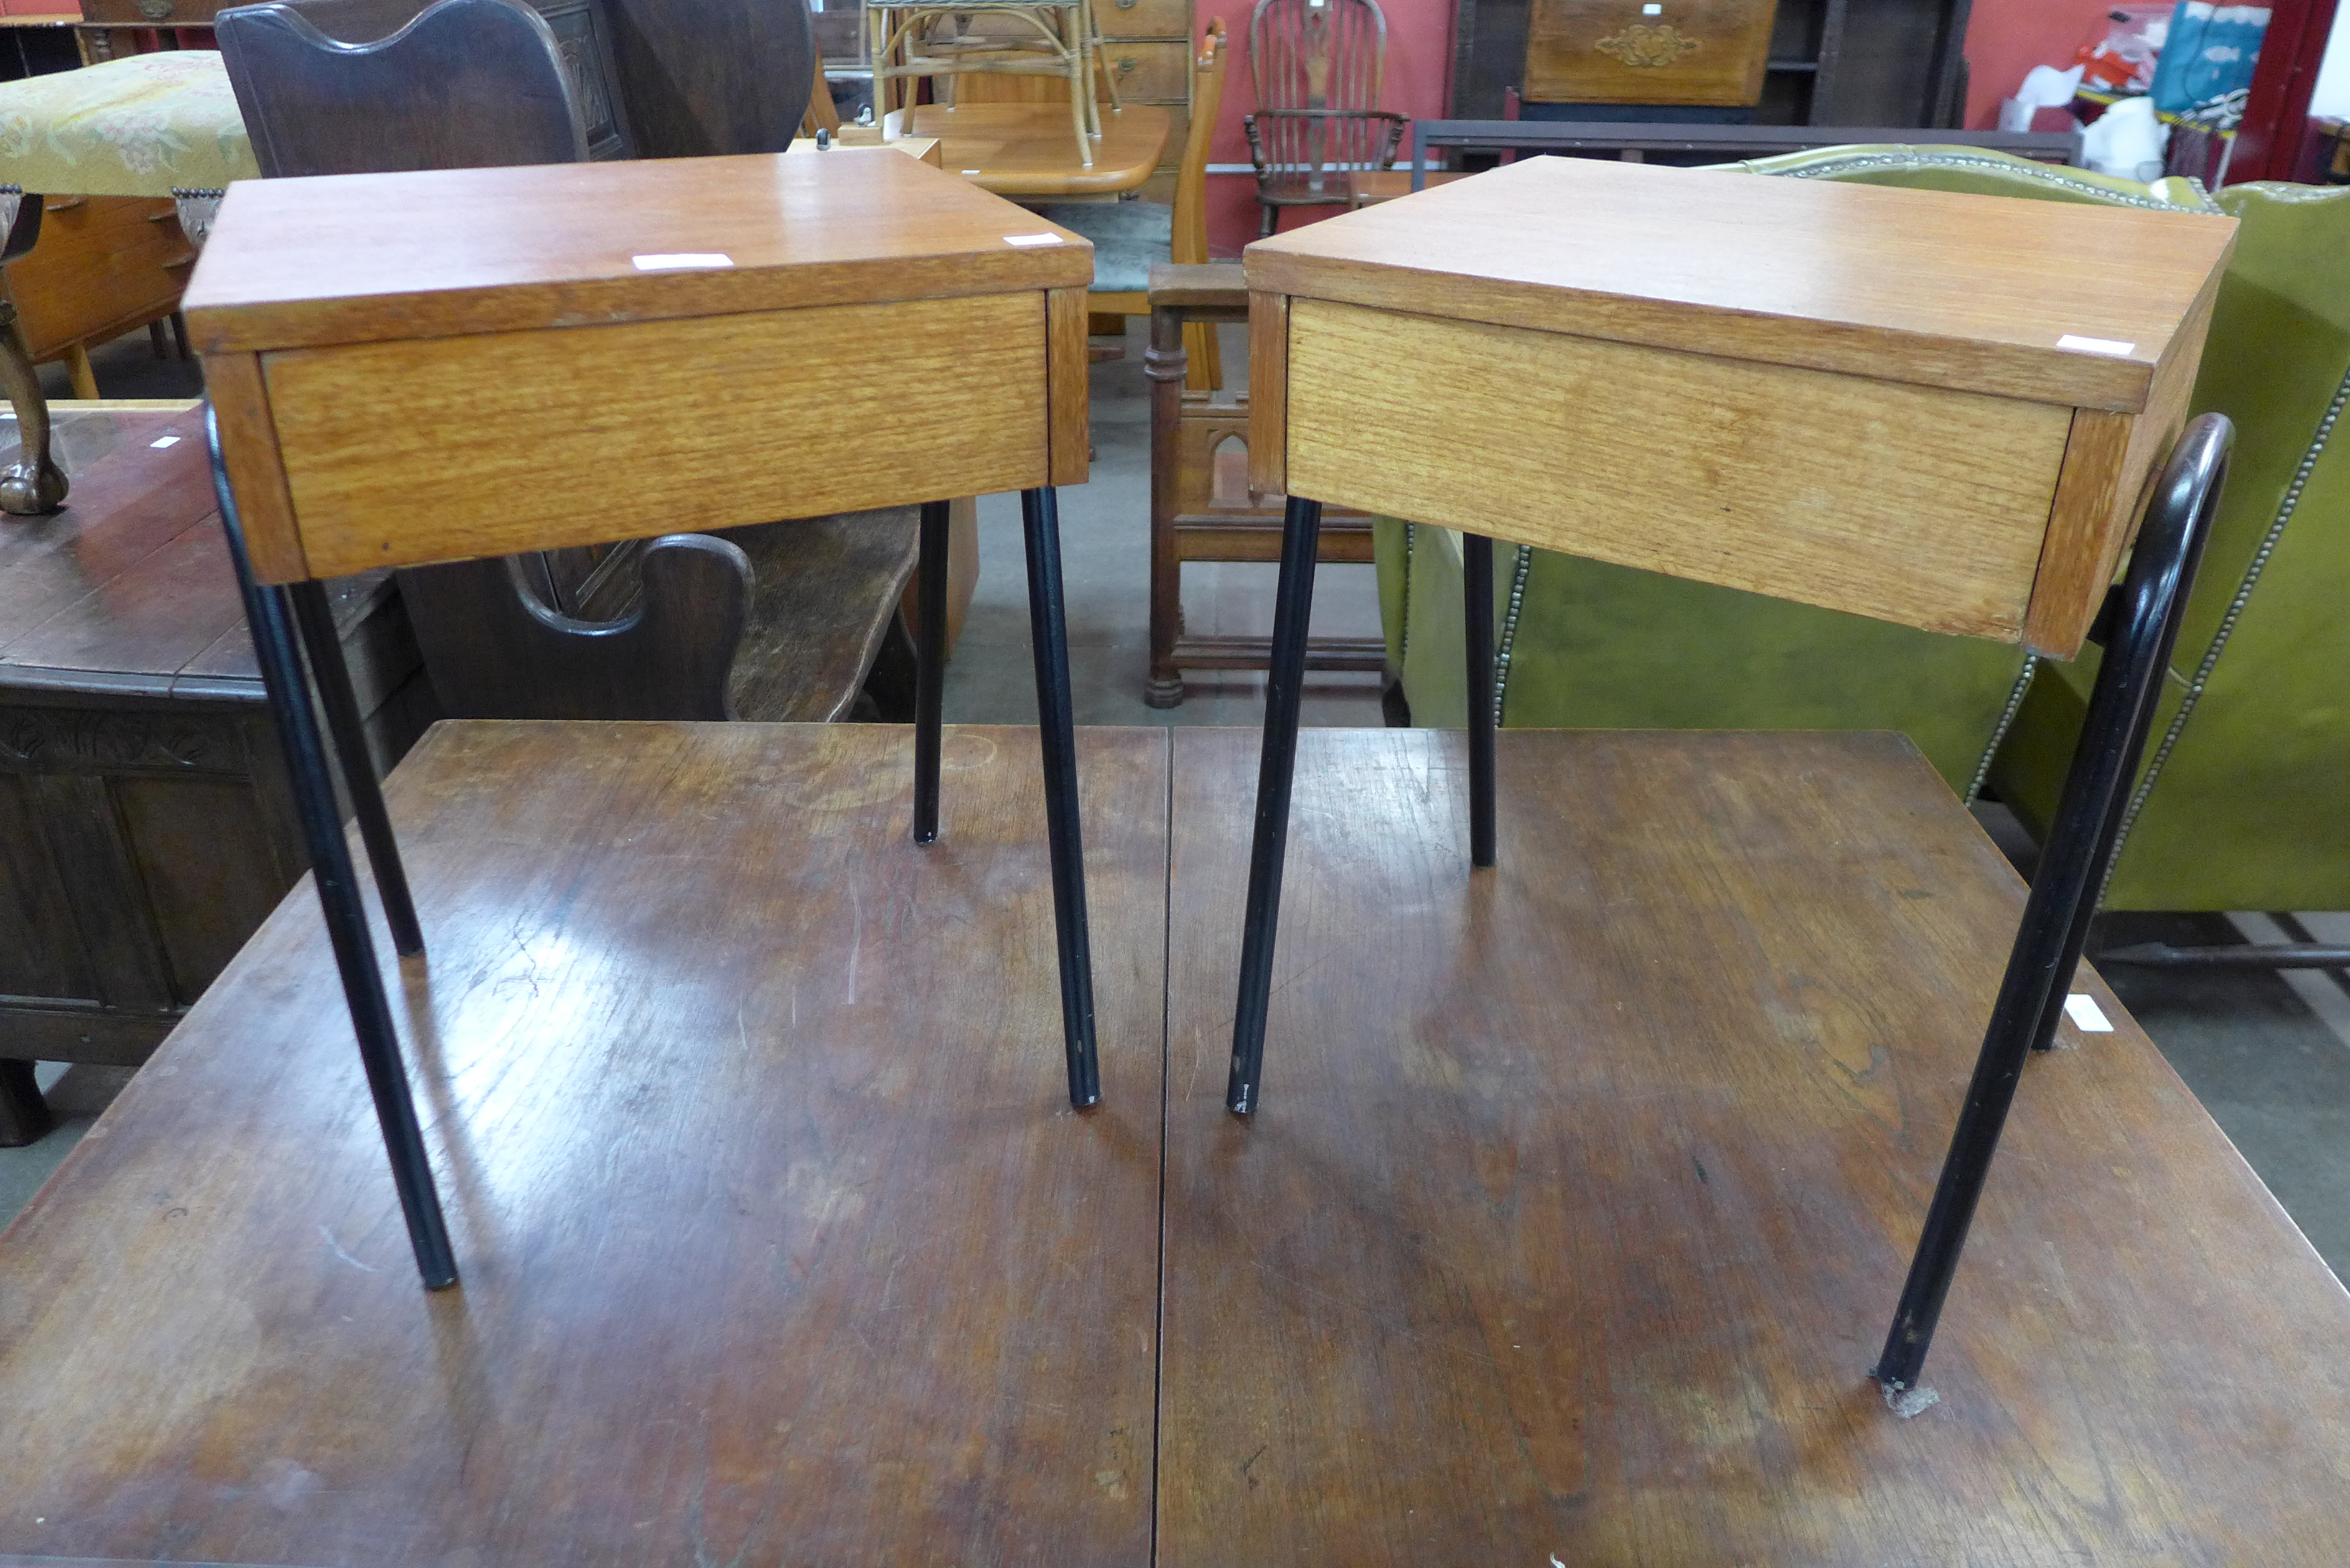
pixel 1647 51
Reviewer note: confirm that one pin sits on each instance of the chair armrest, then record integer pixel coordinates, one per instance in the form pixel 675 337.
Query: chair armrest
pixel 1199 288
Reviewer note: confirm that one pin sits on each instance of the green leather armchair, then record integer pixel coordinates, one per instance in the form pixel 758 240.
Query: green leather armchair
pixel 1581 644
pixel 2239 804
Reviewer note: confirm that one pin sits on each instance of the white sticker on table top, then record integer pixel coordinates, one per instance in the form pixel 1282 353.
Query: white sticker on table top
pixel 1031 239
pixel 1652 10
pixel 681 261
pixel 2080 345
pixel 2086 1015
pixel 161 442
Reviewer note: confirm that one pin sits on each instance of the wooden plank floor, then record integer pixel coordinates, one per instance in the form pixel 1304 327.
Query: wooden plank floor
pixel 781 1243
pixel 1581 1190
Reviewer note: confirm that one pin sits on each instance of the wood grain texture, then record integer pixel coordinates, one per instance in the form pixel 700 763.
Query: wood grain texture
pixel 1269 349
pixel 781 1243
pixel 365 258
pixel 1594 51
pixel 521 436
pixel 104 265
pixel 1905 503
pixel 1935 287
pixel 1582 1190
pixel 1025 148
pixel 2097 516
pixel 1070 379
pixel 256 473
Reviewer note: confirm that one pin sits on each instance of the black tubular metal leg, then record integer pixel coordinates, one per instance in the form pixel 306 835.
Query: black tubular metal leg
pixel 1476 604
pixel 316 623
pixel 1040 517
pixel 2040 967
pixel 929 667
pixel 1284 684
pixel 338 898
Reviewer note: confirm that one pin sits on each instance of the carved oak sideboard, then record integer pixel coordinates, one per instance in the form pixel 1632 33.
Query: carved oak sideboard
pixel 146 826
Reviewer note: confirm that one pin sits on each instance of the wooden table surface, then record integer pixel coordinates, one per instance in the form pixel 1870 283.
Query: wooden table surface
pixel 1027 149
pixel 781 1241
pixel 129 589
pixel 1568 1231
pixel 1582 1190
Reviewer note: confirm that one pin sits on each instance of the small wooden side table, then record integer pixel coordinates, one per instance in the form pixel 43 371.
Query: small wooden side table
pixel 415 368
pixel 1939 409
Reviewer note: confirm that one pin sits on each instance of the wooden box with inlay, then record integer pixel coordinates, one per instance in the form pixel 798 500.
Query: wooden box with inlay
pixel 414 368
pixel 1929 408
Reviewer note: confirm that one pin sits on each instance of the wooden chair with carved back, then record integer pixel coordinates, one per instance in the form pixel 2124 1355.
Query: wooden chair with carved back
pixel 669 628
pixel 1317 67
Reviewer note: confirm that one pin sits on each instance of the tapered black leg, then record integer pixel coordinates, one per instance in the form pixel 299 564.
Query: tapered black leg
pixel 1284 684
pixel 317 622
pixel 338 898
pixel 1040 516
pixel 2047 945
pixel 1477 604
pixel 929 667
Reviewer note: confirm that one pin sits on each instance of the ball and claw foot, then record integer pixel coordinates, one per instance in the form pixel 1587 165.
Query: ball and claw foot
pixel 27 490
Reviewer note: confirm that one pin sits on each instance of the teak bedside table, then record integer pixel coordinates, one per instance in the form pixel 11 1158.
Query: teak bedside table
pixel 406 368
pixel 1940 410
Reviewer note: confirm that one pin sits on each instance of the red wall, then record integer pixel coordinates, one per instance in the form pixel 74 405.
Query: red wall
pixel 1420 70
pixel 2005 38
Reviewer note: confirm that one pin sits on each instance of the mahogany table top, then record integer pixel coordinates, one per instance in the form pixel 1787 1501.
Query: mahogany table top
pixel 1568 1229
pixel 2057 302
pixel 781 1243
pixel 374 257
pixel 1582 1190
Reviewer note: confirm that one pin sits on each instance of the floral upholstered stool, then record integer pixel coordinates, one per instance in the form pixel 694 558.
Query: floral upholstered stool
pixel 90 145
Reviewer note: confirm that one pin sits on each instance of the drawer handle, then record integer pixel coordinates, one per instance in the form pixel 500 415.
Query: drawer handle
pixel 154 10
pixel 1126 65
pixel 1127 5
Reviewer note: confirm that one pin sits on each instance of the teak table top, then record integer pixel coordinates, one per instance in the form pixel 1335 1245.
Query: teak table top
pixel 1934 288
pixel 1025 148
pixel 380 258
pixel 1569 1233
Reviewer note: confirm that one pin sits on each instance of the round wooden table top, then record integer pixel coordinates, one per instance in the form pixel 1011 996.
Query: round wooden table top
pixel 1029 148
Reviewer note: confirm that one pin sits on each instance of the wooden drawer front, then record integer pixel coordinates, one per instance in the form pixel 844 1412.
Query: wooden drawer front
pixel 1909 503
pixel 445 449
pixel 1151 73
pixel 103 265
pixel 148 13
pixel 1612 51
pixel 1143 18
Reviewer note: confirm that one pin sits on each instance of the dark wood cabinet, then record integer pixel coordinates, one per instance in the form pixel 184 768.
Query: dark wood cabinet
pixel 147 827
pixel 1831 62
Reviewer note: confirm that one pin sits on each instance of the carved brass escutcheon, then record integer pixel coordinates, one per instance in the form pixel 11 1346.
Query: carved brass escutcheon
pixel 155 10
pixel 1648 47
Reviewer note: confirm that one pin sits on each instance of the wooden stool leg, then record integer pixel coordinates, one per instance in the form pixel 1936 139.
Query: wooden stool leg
pixel 1477 601
pixel 77 371
pixel 1284 686
pixel 315 621
pixel 1081 86
pixel 23 1114
pixel 929 667
pixel 2041 966
pixel 338 896
pixel 1040 516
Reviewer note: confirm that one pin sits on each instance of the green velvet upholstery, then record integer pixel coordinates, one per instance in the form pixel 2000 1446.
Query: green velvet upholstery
pixel 2241 803
pixel 1587 645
